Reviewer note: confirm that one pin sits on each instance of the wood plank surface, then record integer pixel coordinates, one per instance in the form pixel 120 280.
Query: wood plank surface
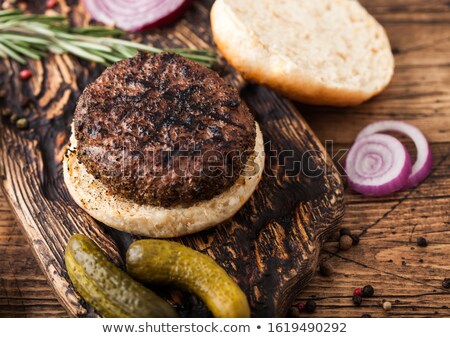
pixel 387 256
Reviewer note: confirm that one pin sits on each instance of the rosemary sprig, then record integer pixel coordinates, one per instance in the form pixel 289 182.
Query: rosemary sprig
pixel 35 35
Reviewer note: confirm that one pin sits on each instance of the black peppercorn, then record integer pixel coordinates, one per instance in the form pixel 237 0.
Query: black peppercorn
pixel 355 239
pixel 422 242
pixel 310 306
pixel 368 291
pixel 366 315
pixel 345 231
pixel 446 283
pixel 357 300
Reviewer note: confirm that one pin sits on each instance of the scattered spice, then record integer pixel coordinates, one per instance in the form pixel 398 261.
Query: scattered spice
pixel 387 306
pixel 325 269
pixel 294 312
pixel 310 306
pixel 25 74
pixel 357 292
pixel 420 260
pixel 22 123
pixel 13 118
pixel 422 242
pixel 366 315
pixel 51 3
pixel 368 291
pixel 297 309
pixel 355 239
pixel 5 112
pixel 446 283
pixel 345 242
pixel 345 231
pixel 6 5
pixel 357 300
pixel 300 307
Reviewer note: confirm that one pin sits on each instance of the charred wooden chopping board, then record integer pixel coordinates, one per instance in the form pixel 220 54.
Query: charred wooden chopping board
pixel 270 247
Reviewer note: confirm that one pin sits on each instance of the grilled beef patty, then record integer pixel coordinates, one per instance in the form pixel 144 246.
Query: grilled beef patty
pixel 163 130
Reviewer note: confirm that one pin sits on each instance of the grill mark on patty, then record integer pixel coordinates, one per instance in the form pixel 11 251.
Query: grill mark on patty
pixel 170 107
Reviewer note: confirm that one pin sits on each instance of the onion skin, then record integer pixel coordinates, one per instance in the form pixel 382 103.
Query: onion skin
pixel 423 165
pixel 171 18
pixel 99 12
pixel 378 165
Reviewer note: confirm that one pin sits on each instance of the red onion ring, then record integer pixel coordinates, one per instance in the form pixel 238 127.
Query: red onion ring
pixel 422 167
pixel 377 165
pixel 136 15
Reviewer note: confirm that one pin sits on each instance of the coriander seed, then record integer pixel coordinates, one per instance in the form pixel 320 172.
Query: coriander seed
pixel 387 306
pixel 345 242
pixel 22 123
pixel 325 269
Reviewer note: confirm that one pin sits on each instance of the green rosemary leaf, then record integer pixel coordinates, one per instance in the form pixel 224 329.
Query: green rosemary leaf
pixel 8 12
pixel 196 57
pixel 125 51
pixel 22 50
pixel 32 35
pixel 68 47
pixel 18 38
pixel 97 31
pixel 131 44
pixel 108 56
pixel 55 49
pixel 91 46
pixel 12 54
pixel 2 53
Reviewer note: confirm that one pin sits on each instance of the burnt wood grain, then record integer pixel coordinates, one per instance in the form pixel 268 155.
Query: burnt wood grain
pixel 271 247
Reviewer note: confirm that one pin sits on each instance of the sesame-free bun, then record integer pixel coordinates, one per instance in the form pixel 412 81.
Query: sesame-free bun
pixel 325 52
pixel 159 222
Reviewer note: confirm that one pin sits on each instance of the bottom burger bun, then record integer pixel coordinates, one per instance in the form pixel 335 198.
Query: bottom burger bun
pixel 153 221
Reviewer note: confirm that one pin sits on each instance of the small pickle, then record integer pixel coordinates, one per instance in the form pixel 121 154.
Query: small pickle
pixel 108 289
pixel 163 262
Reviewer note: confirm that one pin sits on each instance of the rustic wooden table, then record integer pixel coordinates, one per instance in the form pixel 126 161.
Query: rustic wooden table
pixel 387 257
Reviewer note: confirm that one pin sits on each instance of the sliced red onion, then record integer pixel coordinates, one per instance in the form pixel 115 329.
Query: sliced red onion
pixel 422 168
pixel 377 165
pixel 136 15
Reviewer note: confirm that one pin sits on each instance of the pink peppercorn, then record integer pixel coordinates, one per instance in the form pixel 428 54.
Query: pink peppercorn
pixel 357 292
pixel 25 74
pixel 51 3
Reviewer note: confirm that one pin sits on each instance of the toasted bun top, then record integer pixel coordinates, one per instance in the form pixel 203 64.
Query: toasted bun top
pixel 317 51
